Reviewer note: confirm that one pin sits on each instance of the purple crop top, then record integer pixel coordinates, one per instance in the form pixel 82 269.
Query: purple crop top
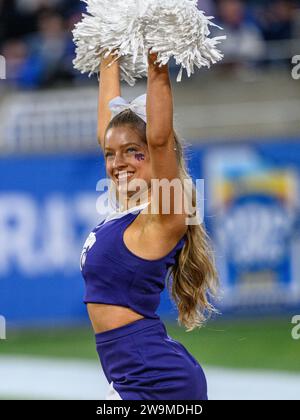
pixel 114 275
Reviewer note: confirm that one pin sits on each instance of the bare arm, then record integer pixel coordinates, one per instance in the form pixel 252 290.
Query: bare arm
pixel 159 104
pixel 109 88
pixel 161 143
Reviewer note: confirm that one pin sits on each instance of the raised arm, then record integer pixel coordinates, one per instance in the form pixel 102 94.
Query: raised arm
pixel 161 144
pixel 109 88
pixel 159 104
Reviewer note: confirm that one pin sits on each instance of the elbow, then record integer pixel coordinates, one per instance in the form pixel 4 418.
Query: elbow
pixel 157 143
pixel 160 140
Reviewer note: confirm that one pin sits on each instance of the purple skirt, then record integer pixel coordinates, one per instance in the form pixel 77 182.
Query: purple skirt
pixel 142 362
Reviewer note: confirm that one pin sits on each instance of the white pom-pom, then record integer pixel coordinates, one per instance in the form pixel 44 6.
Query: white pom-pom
pixel 111 26
pixel 170 28
pixel 177 28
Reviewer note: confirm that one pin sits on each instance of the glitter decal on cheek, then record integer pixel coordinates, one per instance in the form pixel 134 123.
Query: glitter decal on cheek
pixel 139 156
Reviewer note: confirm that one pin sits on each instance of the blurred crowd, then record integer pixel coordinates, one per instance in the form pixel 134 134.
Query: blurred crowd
pixel 36 38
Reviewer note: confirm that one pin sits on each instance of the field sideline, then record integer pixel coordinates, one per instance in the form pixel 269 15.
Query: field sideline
pixel 261 344
pixel 46 378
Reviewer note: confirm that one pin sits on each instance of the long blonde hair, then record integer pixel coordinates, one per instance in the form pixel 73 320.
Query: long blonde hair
pixel 193 280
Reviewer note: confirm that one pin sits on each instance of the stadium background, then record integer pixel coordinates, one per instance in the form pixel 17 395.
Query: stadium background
pixel 240 121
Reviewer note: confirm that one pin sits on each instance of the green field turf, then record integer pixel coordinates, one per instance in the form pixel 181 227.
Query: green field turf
pixel 260 344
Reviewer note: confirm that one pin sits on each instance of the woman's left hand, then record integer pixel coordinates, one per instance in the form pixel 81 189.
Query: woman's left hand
pixel 152 57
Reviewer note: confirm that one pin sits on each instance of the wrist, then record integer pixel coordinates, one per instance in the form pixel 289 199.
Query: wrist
pixel 152 59
pixel 108 60
pixel 155 71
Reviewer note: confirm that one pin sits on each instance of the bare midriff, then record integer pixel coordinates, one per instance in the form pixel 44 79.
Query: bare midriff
pixel 107 317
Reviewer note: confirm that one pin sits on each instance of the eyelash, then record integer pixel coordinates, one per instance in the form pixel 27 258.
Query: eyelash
pixel 129 148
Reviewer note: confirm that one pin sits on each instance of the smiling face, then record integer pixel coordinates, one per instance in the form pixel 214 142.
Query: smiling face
pixel 126 157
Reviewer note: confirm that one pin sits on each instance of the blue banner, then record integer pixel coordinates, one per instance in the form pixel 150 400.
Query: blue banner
pixel 48 207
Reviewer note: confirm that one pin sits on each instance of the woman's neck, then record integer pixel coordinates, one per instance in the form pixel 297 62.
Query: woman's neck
pixel 129 203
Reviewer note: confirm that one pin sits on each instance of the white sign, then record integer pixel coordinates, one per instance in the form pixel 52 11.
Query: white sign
pixel 296 69
pixel 2 67
pixel 2 328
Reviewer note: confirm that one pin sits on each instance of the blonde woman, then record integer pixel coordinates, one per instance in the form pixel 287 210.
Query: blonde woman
pixel 128 256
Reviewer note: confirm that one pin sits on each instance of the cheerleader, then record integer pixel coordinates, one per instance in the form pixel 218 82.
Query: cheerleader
pixel 129 256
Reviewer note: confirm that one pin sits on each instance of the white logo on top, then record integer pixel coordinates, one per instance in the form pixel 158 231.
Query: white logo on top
pixel 91 240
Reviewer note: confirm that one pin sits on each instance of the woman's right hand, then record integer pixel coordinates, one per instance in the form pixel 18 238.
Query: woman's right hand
pixel 106 61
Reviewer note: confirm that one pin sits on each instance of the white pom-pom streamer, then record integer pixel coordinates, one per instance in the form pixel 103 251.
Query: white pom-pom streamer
pixel 170 28
pixel 176 28
pixel 111 26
